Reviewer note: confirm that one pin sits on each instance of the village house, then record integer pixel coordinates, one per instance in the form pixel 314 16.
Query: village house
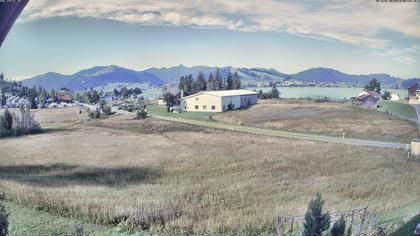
pixel 218 101
pixel 65 96
pixel 368 99
pixel 414 94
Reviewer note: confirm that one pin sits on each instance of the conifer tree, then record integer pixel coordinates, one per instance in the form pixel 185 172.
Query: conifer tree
pixel 229 82
pixel 210 83
pixel 218 81
pixel 339 227
pixel 275 92
pixel 236 81
pixel 316 221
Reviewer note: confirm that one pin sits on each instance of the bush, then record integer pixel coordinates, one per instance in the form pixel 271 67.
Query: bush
pixel 141 114
pixel 94 114
pixel 6 123
pixel 4 222
pixel 107 110
pixel 23 123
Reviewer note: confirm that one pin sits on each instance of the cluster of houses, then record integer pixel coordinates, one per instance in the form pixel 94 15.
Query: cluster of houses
pixel 414 94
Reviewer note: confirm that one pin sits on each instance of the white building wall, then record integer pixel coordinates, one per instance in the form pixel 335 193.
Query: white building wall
pixel 202 103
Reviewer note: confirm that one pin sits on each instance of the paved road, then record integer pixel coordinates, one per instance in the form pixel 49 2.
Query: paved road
pixel 286 134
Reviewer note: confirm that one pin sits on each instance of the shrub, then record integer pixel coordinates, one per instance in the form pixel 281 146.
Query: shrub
pixel 316 221
pixel 94 114
pixel 4 222
pixel 25 123
pixel 6 123
pixel 107 110
pixel 141 114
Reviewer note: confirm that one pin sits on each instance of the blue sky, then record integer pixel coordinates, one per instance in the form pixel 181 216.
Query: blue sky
pixel 357 37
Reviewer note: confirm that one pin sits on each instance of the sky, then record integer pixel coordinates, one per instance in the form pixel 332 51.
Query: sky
pixel 357 37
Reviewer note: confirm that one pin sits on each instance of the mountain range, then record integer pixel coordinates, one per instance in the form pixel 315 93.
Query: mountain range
pixel 102 76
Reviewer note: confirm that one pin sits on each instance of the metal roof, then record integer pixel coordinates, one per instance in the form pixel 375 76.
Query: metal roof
pixel 225 93
pixel 9 12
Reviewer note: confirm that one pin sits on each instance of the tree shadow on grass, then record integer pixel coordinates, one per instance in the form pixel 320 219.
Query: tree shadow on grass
pixel 61 175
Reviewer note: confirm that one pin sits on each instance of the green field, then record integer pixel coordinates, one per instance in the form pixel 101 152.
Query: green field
pixel 397 108
pixel 161 111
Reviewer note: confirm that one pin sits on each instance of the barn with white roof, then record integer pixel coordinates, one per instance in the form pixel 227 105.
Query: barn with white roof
pixel 218 101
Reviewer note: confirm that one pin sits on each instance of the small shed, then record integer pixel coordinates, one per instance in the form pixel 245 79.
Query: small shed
pixel 368 101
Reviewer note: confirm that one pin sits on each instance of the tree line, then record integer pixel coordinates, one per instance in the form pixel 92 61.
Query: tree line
pixel 214 82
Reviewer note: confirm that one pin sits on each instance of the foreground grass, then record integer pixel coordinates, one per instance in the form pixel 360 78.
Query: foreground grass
pixel 191 180
pixel 26 221
pixel 398 108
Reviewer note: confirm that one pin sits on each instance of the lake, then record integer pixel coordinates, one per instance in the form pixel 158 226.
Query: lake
pixel 332 93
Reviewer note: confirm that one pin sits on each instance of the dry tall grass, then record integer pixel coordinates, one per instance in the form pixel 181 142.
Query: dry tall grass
pixel 188 179
pixel 324 118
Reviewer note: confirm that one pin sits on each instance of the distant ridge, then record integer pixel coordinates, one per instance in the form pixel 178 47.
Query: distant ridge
pixel 101 76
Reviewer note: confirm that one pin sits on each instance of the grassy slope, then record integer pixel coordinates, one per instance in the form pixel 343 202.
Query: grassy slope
pixel 408 228
pixel 31 222
pixel 400 109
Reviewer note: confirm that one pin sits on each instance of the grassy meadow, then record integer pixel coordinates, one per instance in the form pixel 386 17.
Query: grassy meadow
pixel 327 118
pixel 165 177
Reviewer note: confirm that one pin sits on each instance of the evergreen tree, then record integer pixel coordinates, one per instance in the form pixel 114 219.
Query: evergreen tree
pixel 54 95
pixel 188 86
pixel 181 83
pixel 210 83
pixel 339 227
pixel 373 85
pixel 42 99
pixel 218 81
pixel 236 81
pixel 316 221
pixel 95 96
pixel 3 97
pixel 229 82
pixel 201 82
pixel 275 92
pixel 4 222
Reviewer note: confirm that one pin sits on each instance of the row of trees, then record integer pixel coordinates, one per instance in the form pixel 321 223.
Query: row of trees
pixel 125 93
pixel 214 82
pixel 274 93
pixel 89 97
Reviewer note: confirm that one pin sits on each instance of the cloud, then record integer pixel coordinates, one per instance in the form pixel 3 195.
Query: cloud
pixel 402 55
pixel 356 22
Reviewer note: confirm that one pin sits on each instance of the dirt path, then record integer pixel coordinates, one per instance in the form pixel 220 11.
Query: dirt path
pixel 286 134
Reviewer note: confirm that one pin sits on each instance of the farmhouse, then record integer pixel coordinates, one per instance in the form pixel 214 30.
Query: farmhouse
pixel 414 94
pixel 368 99
pixel 218 101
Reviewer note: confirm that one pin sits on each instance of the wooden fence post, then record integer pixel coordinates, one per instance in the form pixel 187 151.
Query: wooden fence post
pixel 278 226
